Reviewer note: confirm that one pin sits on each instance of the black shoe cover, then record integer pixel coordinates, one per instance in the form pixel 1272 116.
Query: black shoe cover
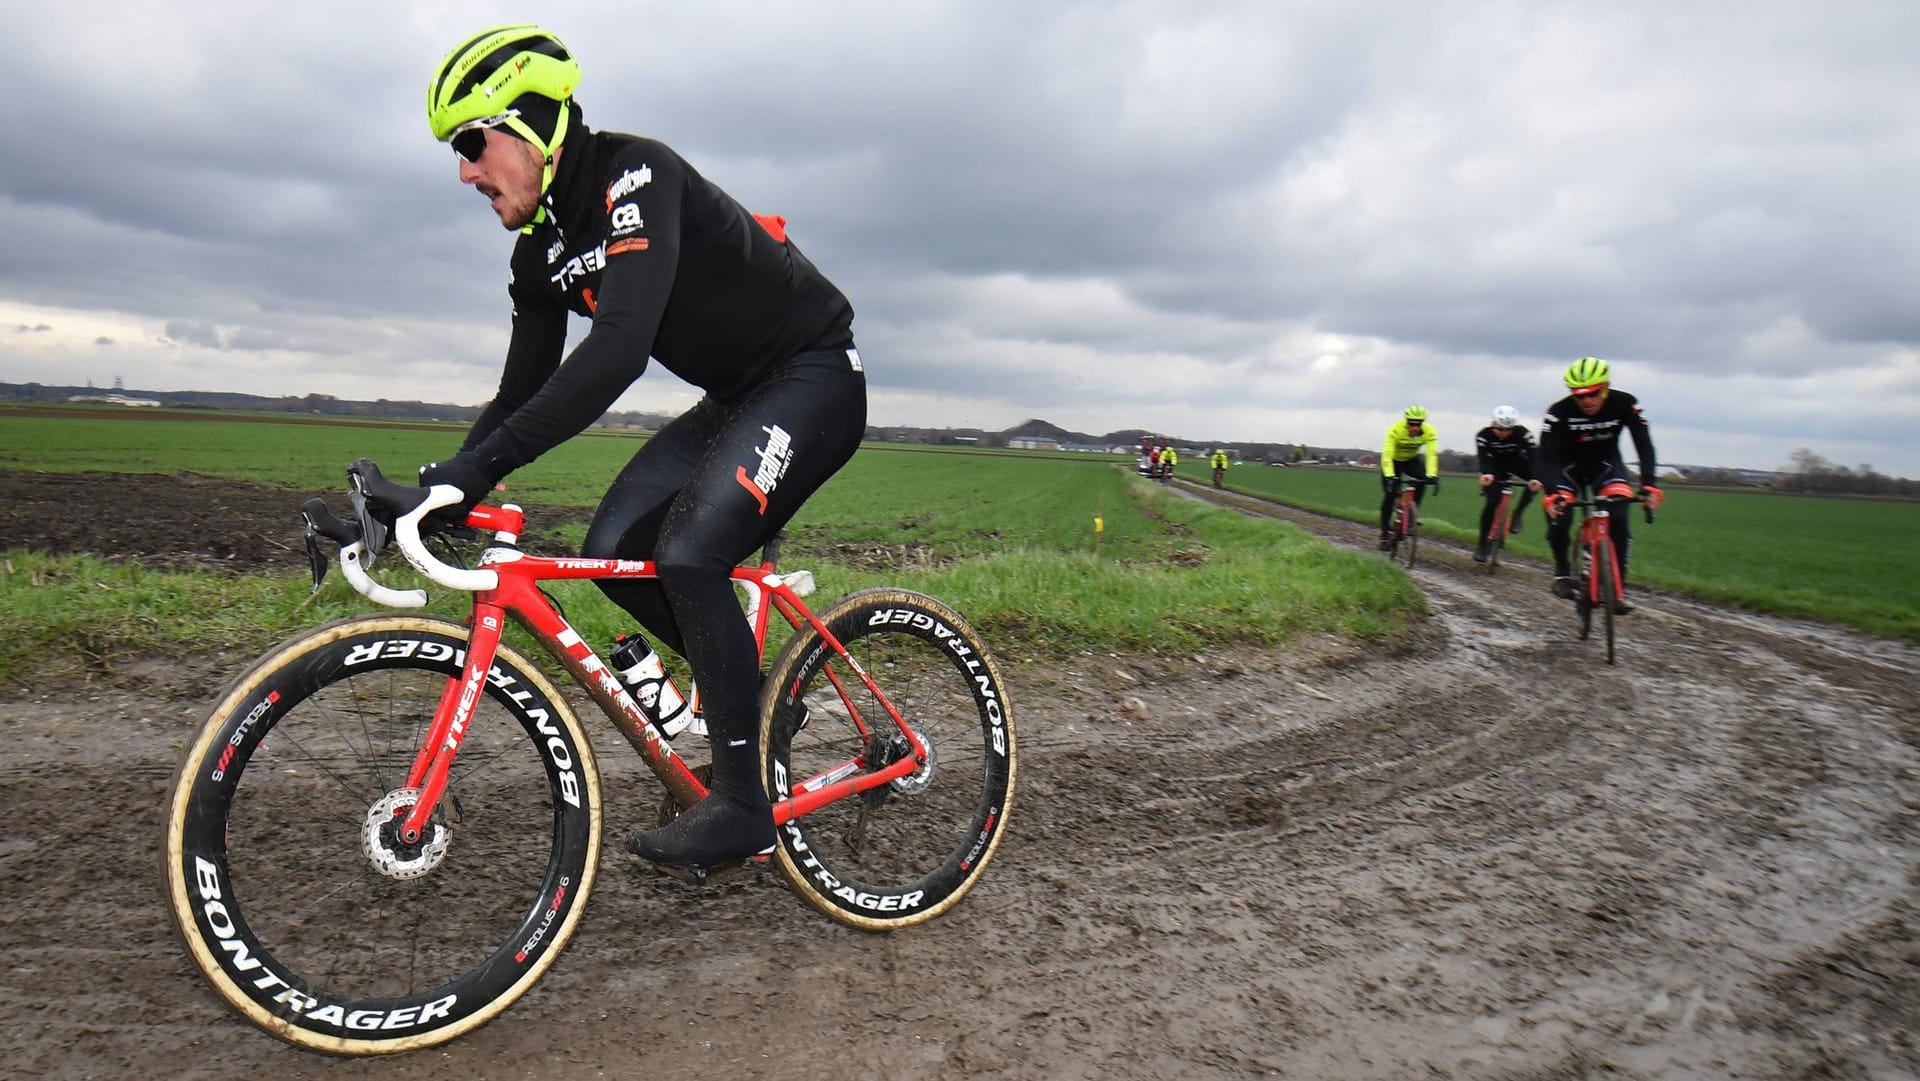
pixel 718 829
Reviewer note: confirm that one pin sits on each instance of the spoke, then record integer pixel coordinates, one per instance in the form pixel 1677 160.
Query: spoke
pixel 319 764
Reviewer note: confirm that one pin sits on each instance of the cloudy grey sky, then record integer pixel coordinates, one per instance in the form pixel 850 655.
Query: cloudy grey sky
pixel 1268 220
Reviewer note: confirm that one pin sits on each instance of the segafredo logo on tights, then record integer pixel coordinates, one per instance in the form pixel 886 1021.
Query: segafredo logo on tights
pixel 774 459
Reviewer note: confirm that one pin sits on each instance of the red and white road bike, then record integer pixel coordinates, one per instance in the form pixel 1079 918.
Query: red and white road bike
pixel 387 828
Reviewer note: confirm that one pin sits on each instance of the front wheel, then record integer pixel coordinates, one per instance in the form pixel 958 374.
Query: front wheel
pixel 905 852
pixel 286 877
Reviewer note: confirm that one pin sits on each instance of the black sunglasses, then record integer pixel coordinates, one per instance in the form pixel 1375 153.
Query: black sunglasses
pixel 469 140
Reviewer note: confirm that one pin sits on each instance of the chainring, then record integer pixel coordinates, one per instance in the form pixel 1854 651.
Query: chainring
pixel 669 810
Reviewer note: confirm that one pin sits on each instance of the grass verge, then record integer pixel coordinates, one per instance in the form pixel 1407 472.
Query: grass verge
pixel 1214 577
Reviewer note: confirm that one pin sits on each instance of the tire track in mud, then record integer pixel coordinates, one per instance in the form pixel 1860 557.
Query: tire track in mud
pixel 1736 802
pixel 1484 855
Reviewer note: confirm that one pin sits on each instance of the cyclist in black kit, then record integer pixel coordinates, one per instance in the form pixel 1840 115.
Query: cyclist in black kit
pixel 1505 448
pixel 1580 445
pixel 621 229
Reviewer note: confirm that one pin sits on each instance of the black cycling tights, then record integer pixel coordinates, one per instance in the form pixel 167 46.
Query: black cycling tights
pixel 1492 493
pixel 706 492
pixel 1593 476
pixel 1389 488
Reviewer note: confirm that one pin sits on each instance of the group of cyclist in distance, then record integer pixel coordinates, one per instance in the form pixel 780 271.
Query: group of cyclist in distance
pixel 1579 448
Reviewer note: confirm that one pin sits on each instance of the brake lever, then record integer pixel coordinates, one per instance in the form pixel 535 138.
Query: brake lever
pixel 316 560
pixel 373 532
pixel 322 522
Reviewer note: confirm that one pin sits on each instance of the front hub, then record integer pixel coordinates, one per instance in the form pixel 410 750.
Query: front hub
pixel 381 841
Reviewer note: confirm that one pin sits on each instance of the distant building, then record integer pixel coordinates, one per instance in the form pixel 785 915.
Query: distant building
pixel 1027 442
pixel 114 399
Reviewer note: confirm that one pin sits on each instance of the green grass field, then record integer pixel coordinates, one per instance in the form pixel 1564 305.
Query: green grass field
pixel 1008 539
pixel 1847 560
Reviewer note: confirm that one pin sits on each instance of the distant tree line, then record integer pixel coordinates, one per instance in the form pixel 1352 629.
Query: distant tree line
pixel 1807 471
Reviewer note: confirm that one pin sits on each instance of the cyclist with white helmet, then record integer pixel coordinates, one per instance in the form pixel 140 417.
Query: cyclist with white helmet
pixel 1410 450
pixel 1505 448
pixel 1580 446
pixel 622 230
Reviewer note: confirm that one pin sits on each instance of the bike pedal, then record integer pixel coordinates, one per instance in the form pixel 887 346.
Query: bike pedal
pixel 696 874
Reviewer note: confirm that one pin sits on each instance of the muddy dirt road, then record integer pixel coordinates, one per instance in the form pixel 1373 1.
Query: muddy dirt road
pixel 1484 856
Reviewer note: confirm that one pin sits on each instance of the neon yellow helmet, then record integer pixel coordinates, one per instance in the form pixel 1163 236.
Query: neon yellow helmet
pixel 483 76
pixel 1587 372
pixel 1415 412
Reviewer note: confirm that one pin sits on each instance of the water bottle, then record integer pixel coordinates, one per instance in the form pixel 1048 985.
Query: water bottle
pixel 646 679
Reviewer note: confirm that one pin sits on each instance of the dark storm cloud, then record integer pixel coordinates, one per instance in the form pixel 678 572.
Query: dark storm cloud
pixel 196 334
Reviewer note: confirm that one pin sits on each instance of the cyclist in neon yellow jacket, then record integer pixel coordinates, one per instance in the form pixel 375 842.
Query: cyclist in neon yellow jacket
pixel 1411 450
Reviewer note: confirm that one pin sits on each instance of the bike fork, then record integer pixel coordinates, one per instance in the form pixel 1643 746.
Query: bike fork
pixel 434 760
pixel 1596 529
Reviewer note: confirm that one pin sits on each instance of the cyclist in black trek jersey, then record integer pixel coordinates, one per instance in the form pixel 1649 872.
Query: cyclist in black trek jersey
pixel 1580 445
pixel 621 229
pixel 1505 450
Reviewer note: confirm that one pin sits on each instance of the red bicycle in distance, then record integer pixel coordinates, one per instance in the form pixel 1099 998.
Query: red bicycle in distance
pixel 1403 530
pixel 1502 523
pixel 1597 585
pixel 387 828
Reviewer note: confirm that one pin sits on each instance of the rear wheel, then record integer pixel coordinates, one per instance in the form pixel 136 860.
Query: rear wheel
pixel 287 879
pixel 1410 516
pixel 904 852
pixel 1497 536
pixel 1608 592
pixel 1583 594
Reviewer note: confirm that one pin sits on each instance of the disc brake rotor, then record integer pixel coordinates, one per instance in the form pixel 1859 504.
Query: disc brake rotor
pixel 916 782
pixel 380 837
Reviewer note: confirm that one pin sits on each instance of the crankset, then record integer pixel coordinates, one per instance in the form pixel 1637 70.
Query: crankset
pixel 696 874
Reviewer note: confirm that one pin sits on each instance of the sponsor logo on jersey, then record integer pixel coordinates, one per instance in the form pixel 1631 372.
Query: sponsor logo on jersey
pixel 626 218
pixel 554 253
pixel 775 457
pixel 630 181
pixel 580 266
pixel 632 243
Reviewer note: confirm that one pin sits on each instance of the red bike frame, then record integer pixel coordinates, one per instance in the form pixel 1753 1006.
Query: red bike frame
pixel 1596 536
pixel 1406 508
pixel 518 595
pixel 1502 514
